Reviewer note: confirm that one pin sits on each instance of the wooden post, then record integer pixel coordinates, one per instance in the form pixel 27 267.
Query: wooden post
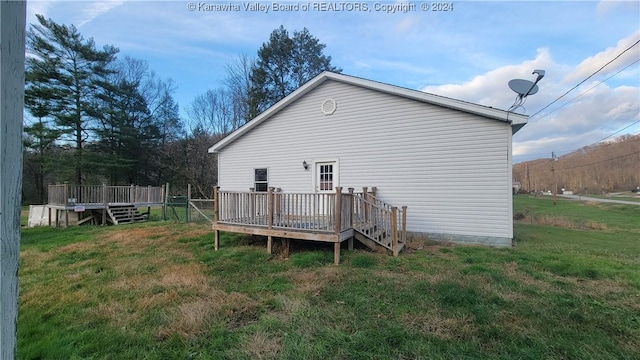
pixel 270 208
pixel 365 207
pixel 188 214
pixel 132 194
pixel 216 216
pixel 12 36
pixel 337 214
pixel 374 191
pixel 337 225
pixel 165 198
pixel 278 204
pixel 105 203
pixel 404 225
pixel 394 230
pixel 65 192
pixel 351 205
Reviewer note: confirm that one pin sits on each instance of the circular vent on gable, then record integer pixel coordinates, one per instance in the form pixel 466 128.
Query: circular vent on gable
pixel 329 107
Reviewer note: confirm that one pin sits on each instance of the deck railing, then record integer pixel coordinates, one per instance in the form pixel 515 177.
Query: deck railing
pixel 323 212
pixel 84 195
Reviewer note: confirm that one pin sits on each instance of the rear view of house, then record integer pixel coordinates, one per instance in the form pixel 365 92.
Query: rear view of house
pixel 447 161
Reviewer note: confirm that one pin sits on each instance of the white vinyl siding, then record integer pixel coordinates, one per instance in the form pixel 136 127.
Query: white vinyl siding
pixel 452 169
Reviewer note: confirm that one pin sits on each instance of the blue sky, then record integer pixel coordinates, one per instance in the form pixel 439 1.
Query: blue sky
pixel 467 53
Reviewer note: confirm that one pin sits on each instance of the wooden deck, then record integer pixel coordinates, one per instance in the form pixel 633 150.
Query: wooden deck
pixel 115 204
pixel 327 217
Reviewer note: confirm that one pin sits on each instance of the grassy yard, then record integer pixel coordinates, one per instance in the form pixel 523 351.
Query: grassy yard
pixel 569 289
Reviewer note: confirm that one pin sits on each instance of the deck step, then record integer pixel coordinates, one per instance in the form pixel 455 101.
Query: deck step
pixel 124 214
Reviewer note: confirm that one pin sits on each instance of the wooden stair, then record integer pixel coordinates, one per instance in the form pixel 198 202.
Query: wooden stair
pixel 124 214
pixel 377 224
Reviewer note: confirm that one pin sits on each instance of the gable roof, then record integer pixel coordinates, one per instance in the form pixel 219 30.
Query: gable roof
pixel 517 121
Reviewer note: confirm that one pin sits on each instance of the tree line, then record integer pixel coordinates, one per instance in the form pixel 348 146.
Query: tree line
pixel 601 168
pixel 93 117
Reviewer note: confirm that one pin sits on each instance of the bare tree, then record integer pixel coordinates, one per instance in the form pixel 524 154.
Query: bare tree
pixel 238 82
pixel 211 113
pixel 603 167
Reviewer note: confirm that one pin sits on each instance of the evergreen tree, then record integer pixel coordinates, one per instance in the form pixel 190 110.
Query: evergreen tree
pixel 64 74
pixel 284 64
pixel 124 133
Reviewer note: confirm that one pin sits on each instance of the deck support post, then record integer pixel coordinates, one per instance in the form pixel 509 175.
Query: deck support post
pixel 286 245
pixel 394 230
pixel 216 216
pixel 351 205
pixel 404 225
pixel 269 244
pixel 270 207
pixel 337 225
pixel 337 214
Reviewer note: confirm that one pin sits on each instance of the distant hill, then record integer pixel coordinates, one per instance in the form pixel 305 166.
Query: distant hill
pixel 607 166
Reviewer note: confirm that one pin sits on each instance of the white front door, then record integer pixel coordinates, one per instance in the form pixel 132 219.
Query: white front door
pixel 325 182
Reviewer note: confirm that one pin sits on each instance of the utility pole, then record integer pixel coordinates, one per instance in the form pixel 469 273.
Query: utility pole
pixel 12 40
pixel 554 158
pixel 526 170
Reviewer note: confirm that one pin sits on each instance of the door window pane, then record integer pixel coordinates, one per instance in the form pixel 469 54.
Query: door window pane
pixel 326 177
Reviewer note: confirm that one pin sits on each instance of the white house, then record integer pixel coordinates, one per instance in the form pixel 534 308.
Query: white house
pixel 448 161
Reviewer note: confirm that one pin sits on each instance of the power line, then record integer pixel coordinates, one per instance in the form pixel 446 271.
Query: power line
pixel 601 161
pixel 587 78
pixel 584 92
pixel 626 127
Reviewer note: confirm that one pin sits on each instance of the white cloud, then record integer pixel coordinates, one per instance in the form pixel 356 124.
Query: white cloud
pixel 606 6
pixel 491 88
pixel 95 9
pixel 591 64
pixel 584 116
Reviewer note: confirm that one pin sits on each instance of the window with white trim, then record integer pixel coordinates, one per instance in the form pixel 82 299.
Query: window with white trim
pixel 261 179
pixel 326 177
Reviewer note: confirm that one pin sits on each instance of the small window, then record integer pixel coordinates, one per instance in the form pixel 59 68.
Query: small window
pixel 261 180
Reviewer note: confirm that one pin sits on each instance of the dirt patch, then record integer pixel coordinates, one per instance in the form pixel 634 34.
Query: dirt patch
pixel 261 346
pixel 312 282
pixel 447 328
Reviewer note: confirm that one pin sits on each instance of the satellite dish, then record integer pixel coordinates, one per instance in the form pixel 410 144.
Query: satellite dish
pixel 523 87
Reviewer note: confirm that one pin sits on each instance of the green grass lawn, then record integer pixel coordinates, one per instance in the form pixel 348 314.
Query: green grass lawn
pixel 626 196
pixel 569 289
